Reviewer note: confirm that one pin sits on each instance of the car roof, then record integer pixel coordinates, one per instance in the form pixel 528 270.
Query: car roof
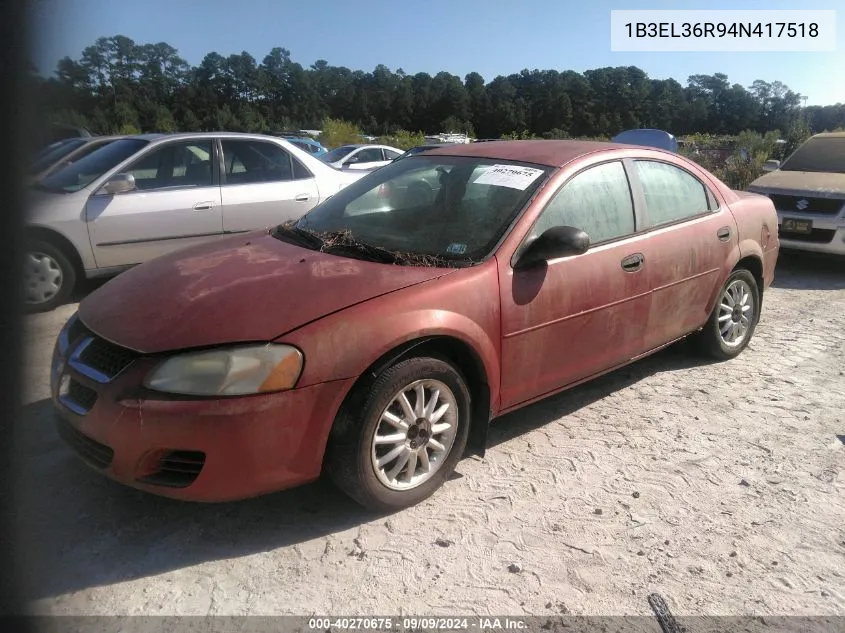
pixel 551 153
pixel 189 135
pixel 830 135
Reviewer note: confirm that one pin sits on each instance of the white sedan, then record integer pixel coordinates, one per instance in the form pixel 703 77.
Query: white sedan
pixel 142 196
pixel 361 157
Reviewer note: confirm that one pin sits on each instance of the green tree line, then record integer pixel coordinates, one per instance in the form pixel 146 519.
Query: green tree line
pixel 120 86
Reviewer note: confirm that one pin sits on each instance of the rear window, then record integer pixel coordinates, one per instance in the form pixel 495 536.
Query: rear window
pixel 337 154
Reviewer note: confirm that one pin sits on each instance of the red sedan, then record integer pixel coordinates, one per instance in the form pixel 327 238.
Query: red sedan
pixel 376 337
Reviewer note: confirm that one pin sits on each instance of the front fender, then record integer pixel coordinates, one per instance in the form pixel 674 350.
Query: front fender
pixel 464 306
pixel 348 347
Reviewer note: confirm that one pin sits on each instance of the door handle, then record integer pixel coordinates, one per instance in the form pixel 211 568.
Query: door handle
pixel 303 197
pixel 633 263
pixel 203 206
pixel 724 233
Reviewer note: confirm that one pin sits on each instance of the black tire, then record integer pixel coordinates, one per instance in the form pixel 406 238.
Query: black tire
pixel 349 460
pixel 67 277
pixel 709 340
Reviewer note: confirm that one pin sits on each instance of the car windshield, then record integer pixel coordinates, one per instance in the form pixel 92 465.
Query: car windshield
pixel 54 155
pixel 85 171
pixel 425 210
pixel 337 154
pixel 820 154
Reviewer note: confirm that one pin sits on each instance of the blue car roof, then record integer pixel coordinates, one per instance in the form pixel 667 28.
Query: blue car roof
pixel 648 138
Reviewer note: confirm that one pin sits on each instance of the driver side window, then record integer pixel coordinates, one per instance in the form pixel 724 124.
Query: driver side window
pixel 185 164
pixel 597 201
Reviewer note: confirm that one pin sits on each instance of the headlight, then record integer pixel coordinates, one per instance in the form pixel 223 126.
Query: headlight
pixel 233 371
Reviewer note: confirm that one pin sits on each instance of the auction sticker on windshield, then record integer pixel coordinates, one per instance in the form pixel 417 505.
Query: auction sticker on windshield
pixel 512 176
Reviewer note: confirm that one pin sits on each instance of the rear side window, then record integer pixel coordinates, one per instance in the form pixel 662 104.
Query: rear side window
pixel 597 201
pixel 671 194
pixel 251 162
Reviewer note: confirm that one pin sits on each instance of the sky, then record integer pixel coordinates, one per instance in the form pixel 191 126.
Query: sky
pixel 491 37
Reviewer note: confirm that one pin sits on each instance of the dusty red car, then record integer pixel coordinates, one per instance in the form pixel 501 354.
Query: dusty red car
pixel 376 337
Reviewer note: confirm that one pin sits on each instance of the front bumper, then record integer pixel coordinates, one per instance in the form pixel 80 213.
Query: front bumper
pixel 191 449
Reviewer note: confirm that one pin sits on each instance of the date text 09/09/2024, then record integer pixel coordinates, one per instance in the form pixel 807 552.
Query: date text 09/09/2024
pixel 722 29
pixel 417 624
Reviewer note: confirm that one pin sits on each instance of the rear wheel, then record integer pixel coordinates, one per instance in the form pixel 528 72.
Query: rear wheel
pixel 402 435
pixel 49 276
pixel 732 322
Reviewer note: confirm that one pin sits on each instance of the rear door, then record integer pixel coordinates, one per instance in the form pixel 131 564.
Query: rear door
pixel 691 238
pixel 263 185
pixel 176 203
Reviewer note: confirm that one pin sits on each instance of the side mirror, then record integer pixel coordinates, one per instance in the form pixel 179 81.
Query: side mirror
pixel 119 183
pixel 558 241
pixel 771 165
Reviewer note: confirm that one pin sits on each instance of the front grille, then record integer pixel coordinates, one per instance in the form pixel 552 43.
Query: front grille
pixel 96 454
pixel 106 358
pixel 818 236
pixel 79 398
pixel 790 204
pixel 76 330
pixel 176 469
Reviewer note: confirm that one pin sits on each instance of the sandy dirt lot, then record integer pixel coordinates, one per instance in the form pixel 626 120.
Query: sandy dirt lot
pixel 719 486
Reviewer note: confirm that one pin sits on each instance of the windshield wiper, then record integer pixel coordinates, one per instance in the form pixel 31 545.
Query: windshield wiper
pixel 344 241
pixel 289 232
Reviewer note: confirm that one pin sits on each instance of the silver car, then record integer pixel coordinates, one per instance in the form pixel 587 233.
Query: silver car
pixel 142 196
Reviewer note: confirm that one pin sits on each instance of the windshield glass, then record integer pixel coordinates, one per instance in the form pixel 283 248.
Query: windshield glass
pixel 337 154
pixel 46 159
pixel 85 171
pixel 452 208
pixel 822 154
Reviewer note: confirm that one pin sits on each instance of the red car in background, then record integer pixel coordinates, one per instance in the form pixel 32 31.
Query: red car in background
pixel 378 345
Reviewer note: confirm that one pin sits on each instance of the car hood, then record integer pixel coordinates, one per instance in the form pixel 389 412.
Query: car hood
pixel 251 287
pixel 798 182
pixel 45 203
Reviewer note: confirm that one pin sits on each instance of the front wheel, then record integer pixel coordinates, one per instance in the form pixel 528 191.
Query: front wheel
pixel 49 277
pixel 403 436
pixel 732 322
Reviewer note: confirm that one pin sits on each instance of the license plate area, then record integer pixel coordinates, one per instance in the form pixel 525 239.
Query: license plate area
pixel 798 227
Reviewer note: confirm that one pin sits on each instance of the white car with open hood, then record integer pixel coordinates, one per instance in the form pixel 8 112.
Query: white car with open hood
pixel 142 196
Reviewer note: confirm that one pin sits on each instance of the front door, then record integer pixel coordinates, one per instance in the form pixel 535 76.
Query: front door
pixel 263 185
pixel 176 203
pixel 580 315
pixel 691 237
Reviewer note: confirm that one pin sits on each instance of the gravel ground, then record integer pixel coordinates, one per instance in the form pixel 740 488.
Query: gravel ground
pixel 719 486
